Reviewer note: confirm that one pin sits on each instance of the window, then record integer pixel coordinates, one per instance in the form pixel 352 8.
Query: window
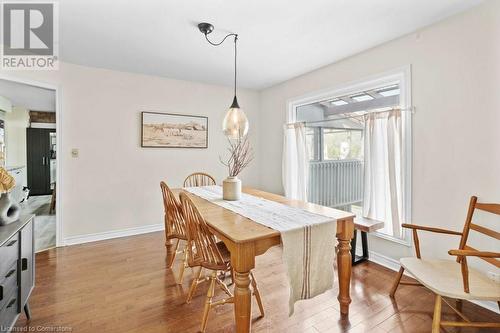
pixel 336 142
pixel 342 144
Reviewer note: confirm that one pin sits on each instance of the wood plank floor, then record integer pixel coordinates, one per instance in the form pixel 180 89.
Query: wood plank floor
pixel 122 285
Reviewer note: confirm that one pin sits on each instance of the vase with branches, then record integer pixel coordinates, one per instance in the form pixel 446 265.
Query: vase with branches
pixel 240 156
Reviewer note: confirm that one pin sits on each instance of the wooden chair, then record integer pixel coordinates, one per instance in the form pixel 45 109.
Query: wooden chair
pixel 199 179
pixel 175 227
pixel 204 251
pixel 451 278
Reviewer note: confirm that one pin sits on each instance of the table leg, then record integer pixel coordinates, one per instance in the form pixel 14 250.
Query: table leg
pixel 345 232
pixel 243 261
pixel 242 301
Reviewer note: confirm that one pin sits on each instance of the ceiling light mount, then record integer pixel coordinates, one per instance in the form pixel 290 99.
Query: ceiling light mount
pixel 205 28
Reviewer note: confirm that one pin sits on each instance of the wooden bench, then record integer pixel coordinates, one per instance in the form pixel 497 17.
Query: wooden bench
pixel 365 226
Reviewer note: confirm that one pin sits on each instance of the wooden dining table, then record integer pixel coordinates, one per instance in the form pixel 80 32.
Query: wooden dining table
pixel 247 239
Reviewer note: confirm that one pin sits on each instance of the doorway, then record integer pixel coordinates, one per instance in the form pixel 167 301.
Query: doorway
pixel 30 145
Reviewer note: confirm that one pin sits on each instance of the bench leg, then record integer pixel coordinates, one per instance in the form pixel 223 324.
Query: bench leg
pixel 364 243
pixel 353 247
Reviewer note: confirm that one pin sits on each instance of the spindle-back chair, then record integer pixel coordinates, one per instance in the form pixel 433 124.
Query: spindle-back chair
pixel 199 179
pixel 204 251
pixel 175 227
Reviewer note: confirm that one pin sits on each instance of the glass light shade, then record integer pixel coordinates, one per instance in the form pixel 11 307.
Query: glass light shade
pixel 235 124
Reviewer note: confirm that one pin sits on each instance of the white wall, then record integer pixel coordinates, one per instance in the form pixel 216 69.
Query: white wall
pixel 16 123
pixel 456 80
pixel 5 104
pixel 114 184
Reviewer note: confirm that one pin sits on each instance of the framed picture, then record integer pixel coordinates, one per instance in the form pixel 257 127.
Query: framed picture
pixel 166 130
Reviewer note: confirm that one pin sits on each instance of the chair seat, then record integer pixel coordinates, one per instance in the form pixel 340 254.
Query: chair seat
pixel 444 277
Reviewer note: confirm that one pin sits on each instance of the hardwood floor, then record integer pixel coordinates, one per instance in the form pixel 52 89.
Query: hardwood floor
pixel 122 285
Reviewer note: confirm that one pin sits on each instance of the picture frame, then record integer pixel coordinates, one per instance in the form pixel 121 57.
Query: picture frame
pixel 171 130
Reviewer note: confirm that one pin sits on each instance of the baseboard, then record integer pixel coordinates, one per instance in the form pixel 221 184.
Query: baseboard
pixel 382 260
pixel 393 264
pixel 74 240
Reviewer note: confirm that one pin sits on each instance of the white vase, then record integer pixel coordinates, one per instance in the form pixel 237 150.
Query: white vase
pixel 231 189
pixel 9 210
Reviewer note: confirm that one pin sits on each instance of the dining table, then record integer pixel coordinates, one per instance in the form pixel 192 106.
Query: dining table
pixel 246 239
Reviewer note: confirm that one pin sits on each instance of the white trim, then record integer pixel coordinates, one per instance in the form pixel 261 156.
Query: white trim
pixel 59 150
pixel 400 74
pixel 59 169
pixel 43 125
pixel 74 240
pixel 382 260
pixel 394 265
pixel 366 83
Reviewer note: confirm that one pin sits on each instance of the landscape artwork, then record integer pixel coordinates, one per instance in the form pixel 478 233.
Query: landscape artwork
pixel 165 130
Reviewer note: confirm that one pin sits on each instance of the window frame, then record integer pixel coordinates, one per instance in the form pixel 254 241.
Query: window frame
pixel 401 75
pixel 317 141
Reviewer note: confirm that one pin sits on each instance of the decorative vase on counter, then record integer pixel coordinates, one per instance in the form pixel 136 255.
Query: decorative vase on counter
pixel 9 209
pixel 231 189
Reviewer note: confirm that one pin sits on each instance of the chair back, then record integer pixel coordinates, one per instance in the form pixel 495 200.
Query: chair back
pixel 174 220
pixel 199 179
pixel 202 246
pixel 469 225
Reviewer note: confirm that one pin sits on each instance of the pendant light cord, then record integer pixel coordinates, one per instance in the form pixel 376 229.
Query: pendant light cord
pixel 235 52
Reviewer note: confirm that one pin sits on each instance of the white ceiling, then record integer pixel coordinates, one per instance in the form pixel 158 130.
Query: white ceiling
pixel 29 97
pixel 279 39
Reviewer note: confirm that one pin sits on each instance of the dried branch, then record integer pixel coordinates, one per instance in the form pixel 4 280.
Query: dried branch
pixel 240 156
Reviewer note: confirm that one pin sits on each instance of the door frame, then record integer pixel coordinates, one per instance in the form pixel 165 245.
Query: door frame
pixel 59 167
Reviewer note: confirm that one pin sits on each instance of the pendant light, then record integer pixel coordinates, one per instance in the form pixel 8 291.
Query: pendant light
pixel 235 124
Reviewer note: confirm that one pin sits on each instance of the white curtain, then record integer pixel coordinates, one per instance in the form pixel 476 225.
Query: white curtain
pixel 383 198
pixel 295 162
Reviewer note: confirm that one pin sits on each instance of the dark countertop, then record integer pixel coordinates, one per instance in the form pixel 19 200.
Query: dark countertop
pixel 7 231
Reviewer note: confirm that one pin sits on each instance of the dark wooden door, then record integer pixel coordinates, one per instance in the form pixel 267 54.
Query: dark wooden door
pixel 38 156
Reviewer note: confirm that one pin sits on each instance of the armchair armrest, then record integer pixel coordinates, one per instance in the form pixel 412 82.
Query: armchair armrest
pixel 463 254
pixel 474 253
pixel 415 227
pixel 431 229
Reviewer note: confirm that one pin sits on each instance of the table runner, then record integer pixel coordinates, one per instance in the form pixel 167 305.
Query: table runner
pixel 308 239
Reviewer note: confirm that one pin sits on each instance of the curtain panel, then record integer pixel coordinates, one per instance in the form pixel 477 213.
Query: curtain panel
pixel 295 164
pixel 383 178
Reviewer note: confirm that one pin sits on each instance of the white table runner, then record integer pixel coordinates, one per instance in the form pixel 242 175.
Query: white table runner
pixel 308 239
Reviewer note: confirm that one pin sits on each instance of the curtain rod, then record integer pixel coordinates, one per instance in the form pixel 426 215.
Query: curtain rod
pixel 410 109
